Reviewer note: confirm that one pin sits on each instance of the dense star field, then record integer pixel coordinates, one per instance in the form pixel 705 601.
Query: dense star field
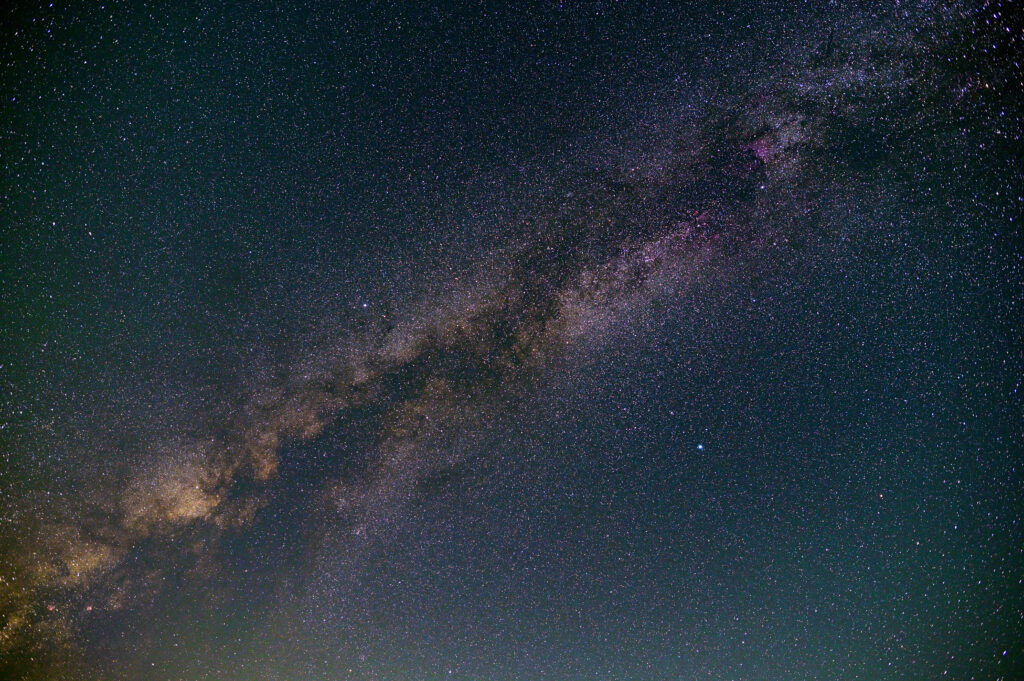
pixel 610 341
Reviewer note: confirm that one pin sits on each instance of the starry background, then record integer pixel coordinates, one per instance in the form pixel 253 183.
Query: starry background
pixel 502 341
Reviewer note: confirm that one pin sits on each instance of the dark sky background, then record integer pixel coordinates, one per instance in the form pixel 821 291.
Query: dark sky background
pixel 551 341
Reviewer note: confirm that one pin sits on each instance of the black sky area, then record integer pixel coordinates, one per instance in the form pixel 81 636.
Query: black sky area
pixel 511 342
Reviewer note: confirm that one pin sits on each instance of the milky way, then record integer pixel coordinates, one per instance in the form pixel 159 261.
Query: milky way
pixel 673 205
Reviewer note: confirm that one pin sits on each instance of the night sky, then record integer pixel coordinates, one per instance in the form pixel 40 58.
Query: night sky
pixel 511 342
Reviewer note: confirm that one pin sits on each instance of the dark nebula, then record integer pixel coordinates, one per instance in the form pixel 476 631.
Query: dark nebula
pixel 568 341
